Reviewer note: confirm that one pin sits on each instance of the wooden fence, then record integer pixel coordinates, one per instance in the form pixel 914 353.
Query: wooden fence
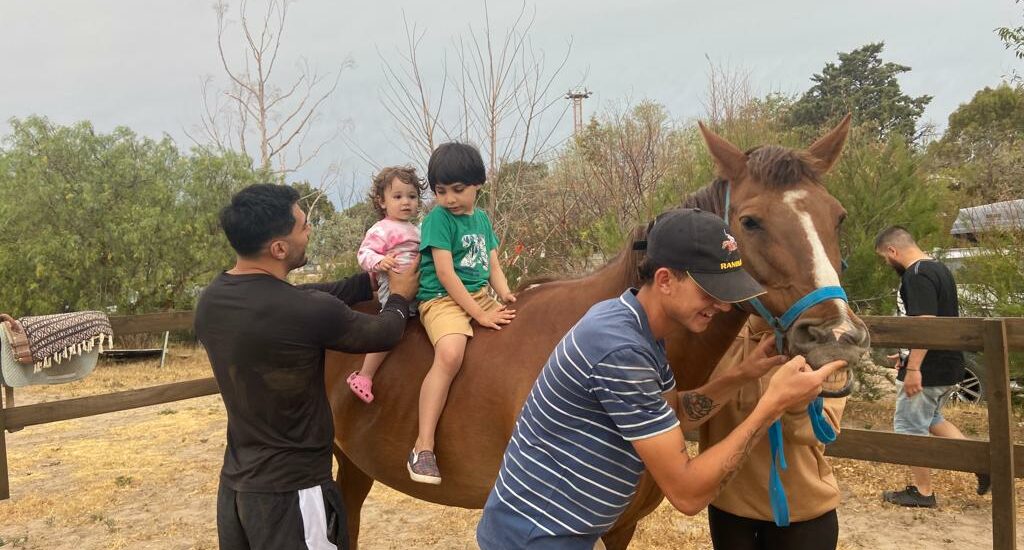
pixel 998 456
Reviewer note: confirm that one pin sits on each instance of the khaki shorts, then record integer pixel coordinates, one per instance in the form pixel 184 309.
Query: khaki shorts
pixel 442 316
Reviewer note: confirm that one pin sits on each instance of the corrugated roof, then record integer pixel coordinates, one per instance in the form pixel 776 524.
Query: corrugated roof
pixel 998 215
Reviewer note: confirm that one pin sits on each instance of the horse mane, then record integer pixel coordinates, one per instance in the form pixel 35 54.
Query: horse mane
pixel 777 166
pixel 711 197
pixel 772 165
pixel 631 263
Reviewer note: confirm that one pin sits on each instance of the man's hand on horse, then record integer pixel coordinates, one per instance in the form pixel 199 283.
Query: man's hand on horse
pixel 509 298
pixel 796 384
pixel 496 318
pixel 761 360
pixel 406 282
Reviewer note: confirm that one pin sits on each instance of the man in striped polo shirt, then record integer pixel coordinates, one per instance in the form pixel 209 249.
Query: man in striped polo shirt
pixel 603 408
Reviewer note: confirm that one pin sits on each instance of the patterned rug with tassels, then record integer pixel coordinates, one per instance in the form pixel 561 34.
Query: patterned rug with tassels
pixel 54 338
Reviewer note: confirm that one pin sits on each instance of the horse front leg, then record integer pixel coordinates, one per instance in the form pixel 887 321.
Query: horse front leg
pixel 648 497
pixel 354 486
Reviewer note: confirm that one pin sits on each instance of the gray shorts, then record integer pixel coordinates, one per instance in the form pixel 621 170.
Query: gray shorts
pixel 915 415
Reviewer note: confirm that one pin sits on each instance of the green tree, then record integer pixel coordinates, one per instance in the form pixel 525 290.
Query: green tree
pixel 884 184
pixel 1013 38
pixel 335 240
pixel 863 84
pixel 993 113
pixel 994 276
pixel 96 221
pixel 982 152
pixel 314 203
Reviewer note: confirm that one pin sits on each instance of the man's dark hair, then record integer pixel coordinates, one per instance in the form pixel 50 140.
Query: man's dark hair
pixel 258 214
pixel 896 236
pixel 455 162
pixel 647 269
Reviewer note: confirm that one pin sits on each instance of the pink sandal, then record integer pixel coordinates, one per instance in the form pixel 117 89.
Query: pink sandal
pixel 361 386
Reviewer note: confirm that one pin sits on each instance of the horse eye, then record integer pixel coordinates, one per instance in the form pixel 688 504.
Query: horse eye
pixel 750 224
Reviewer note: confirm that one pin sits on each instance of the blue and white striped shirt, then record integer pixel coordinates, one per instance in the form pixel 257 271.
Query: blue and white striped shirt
pixel 570 469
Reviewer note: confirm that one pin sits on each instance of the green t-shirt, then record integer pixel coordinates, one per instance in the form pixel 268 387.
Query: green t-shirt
pixel 469 238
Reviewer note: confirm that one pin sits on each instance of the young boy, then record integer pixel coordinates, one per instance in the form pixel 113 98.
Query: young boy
pixel 459 258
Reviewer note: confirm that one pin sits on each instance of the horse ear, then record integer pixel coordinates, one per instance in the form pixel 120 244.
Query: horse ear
pixel 732 163
pixel 828 147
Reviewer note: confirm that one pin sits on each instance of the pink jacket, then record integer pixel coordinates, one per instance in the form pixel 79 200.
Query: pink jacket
pixel 400 239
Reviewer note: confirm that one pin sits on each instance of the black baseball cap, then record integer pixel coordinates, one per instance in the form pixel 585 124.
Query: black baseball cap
pixel 698 242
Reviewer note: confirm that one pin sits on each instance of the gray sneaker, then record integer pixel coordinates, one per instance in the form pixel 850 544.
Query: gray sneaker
pixel 422 467
pixel 910 497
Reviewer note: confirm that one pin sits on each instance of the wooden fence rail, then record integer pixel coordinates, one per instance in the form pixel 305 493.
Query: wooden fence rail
pixel 998 456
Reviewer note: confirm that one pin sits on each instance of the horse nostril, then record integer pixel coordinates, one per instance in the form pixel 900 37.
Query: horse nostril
pixel 853 337
pixel 820 334
pixel 812 333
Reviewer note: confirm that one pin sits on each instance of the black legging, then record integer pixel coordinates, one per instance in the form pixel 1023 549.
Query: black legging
pixel 729 532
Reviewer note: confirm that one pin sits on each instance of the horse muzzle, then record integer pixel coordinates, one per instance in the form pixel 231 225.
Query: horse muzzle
pixel 822 342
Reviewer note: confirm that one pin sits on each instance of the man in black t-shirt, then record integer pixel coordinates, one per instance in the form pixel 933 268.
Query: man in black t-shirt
pixel 266 341
pixel 927 377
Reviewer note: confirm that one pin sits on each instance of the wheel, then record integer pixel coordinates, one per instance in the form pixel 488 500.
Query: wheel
pixel 972 388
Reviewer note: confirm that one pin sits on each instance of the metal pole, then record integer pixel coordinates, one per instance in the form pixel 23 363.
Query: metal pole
pixel 163 354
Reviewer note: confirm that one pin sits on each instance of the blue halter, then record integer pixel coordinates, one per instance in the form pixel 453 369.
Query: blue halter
pixel 823 431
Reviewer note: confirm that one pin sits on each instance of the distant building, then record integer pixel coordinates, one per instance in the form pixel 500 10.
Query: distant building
pixel 977 300
pixel 998 216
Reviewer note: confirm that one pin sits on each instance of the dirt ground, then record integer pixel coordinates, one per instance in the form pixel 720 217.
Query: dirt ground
pixel 147 478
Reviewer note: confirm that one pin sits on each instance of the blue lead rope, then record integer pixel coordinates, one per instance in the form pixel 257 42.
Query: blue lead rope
pixel 823 431
pixel 776 492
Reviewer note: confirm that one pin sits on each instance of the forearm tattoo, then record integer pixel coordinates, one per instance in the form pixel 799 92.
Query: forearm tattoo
pixel 733 463
pixel 696 405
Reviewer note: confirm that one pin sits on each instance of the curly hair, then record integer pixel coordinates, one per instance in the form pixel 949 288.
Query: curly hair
pixel 383 179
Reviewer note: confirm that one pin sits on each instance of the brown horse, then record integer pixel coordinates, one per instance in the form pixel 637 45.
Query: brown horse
pixel 787 227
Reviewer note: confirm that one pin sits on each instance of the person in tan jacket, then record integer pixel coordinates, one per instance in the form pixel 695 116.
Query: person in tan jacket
pixel 741 515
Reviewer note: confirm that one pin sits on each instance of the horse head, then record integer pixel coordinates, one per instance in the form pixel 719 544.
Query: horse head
pixel 787 226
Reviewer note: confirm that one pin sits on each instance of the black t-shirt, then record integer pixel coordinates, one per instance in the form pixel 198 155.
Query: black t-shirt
pixel 928 288
pixel 266 340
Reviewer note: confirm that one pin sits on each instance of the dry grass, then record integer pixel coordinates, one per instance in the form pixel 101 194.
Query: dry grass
pixel 147 478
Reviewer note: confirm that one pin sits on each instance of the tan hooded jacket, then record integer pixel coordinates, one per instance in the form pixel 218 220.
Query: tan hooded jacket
pixel 810 485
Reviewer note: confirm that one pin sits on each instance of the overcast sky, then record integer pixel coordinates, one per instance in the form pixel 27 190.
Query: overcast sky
pixel 140 63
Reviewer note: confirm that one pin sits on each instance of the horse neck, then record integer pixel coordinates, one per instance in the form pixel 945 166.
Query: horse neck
pixel 693 357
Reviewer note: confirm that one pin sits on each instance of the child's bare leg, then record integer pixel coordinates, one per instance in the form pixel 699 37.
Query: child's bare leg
pixel 448 353
pixel 372 362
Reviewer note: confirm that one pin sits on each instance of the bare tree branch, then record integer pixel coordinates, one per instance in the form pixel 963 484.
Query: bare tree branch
pixel 275 117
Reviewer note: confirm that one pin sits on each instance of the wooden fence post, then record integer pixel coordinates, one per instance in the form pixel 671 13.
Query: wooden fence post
pixel 1000 436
